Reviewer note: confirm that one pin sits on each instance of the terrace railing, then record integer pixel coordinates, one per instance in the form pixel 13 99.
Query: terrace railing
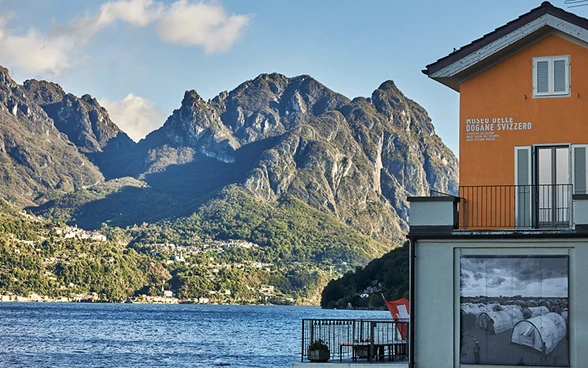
pixel 515 206
pixel 371 339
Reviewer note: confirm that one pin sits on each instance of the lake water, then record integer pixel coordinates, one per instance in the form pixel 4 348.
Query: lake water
pixel 146 335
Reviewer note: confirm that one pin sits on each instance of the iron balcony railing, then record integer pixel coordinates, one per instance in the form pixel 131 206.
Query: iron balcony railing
pixel 515 206
pixel 357 339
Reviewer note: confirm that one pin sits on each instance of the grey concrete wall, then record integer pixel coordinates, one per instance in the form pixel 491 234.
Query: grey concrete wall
pixel 437 289
pixel 581 211
pixel 437 213
pixel 434 302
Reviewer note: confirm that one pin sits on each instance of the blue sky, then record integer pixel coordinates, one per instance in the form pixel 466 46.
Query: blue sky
pixel 139 56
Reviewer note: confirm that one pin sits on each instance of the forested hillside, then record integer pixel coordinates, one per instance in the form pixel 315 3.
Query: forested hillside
pixel 364 287
pixel 35 257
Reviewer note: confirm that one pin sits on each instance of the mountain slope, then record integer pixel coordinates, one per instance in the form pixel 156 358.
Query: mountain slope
pixel 356 160
pixel 36 160
pixel 312 183
pixel 86 124
pixel 364 287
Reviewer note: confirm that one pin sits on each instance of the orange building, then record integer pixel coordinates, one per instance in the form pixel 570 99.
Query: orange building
pixel 523 119
pixel 498 272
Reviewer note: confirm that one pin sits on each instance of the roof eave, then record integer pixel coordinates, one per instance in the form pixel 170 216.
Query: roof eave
pixel 452 83
pixel 544 16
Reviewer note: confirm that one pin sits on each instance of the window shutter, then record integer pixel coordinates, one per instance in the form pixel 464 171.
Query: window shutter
pixel 559 76
pixel 523 165
pixel 543 76
pixel 580 170
pixel 523 191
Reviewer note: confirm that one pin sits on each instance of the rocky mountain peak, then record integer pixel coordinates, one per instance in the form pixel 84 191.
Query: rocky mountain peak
pixel 87 98
pixel 85 122
pixel 191 97
pixel 390 101
pixel 389 85
pixel 43 92
pixel 5 78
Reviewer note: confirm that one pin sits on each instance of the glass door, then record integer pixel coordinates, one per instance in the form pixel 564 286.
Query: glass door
pixel 552 193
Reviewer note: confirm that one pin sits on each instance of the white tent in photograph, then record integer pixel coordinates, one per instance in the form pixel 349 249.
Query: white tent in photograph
pixel 533 332
pixel 564 314
pixel 476 309
pixel 467 308
pixel 514 311
pixel 495 322
pixel 533 312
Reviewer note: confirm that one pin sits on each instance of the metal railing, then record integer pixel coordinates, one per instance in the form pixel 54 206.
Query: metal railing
pixel 515 206
pixel 370 339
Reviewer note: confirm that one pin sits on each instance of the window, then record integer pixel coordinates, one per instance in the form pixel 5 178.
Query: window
pixel 546 176
pixel 551 76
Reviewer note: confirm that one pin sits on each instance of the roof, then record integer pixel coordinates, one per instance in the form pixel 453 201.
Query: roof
pixel 503 39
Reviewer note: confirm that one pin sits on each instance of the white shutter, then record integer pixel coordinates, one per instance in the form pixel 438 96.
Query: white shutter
pixel 523 191
pixel 543 76
pixel 580 169
pixel 559 76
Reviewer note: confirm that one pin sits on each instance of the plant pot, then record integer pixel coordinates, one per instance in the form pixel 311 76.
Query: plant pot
pixel 319 355
pixel 362 351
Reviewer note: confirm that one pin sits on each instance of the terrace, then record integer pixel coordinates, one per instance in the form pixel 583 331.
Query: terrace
pixel 356 342
pixel 552 207
pixel 546 206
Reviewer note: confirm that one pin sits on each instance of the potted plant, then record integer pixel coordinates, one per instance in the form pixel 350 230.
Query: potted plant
pixel 318 351
pixel 362 349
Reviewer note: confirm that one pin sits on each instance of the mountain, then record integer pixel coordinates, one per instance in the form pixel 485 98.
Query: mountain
pixel 86 124
pixel 36 160
pixel 356 160
pixel 306 181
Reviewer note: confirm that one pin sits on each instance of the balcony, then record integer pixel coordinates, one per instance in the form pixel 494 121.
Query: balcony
pixel 516 207
pixel 357 341
pixel 500 208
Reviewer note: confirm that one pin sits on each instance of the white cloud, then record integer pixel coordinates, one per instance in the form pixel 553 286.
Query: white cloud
pixel 138 13
pixel 184 22
pixel 188 23
pixel 135 115
pixel 33 52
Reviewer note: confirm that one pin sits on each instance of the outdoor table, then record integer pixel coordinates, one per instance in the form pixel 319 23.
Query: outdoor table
pixel 395 348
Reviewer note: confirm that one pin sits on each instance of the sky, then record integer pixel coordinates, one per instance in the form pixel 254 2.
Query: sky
pixel 510 276
pixel 138 57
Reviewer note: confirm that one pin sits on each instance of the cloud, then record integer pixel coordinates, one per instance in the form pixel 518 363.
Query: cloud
pixel 184 22
pixel 137 13
pixel 190 24
pixel 33 52
pixel 135 115
pixel 507 276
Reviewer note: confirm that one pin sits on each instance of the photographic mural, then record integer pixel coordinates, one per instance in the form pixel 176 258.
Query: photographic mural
pixel 514 310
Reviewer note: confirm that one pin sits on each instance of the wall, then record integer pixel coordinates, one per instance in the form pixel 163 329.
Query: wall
pixel 437 312
pixel 498 92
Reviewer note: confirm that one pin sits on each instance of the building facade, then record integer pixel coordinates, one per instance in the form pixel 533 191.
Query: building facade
pixel 498 272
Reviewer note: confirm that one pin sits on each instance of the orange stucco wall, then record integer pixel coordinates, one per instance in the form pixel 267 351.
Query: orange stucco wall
pixel 499 91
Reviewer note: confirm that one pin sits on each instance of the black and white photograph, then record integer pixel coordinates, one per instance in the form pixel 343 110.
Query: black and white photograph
pixel 514 310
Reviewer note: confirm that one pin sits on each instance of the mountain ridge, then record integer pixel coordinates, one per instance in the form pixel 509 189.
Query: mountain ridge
pixel 354 159
pixel 307 118
pixel 314 179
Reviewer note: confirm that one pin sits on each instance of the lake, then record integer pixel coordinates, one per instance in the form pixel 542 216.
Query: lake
pixel 149 335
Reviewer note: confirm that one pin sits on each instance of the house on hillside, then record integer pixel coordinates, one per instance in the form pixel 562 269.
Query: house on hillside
pixel 498 273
